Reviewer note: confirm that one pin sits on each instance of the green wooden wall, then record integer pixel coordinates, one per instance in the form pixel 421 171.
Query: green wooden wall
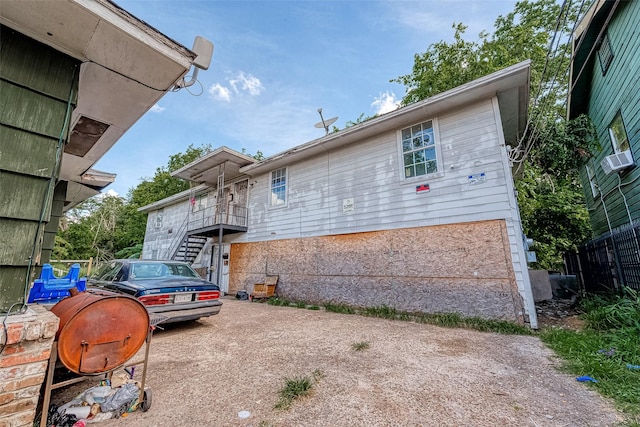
pixel 36 85
pixel 617 90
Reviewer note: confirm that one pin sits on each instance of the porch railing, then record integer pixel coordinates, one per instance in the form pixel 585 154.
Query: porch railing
pixel 214 215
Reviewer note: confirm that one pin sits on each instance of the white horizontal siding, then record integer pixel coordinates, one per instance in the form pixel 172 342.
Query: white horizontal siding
pixel 160 239
pixel 370 172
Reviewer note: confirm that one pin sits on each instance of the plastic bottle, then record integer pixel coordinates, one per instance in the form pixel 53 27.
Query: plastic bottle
pixel 80 423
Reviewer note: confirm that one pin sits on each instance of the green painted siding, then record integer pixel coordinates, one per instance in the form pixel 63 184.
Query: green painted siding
pixel 617 90
pixel 35 86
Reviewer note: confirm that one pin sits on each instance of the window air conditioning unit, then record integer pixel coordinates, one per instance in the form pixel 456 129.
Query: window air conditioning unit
pixel 617 162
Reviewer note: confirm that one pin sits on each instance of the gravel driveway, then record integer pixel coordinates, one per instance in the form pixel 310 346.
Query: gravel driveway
pixel 205 373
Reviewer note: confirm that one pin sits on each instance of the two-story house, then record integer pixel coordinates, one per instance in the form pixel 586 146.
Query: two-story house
pixel 605 78
pixel 414 209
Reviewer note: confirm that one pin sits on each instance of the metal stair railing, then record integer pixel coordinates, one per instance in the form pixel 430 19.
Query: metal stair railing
pixel 181 235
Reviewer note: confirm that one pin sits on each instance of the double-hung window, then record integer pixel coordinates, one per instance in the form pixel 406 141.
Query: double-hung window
pixel 419 154
pixel 278 195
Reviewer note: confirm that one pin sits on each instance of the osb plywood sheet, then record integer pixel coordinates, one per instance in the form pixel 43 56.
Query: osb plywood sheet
pixel 464 268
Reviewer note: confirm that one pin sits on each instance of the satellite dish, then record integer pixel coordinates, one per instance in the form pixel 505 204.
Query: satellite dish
pixel 325 123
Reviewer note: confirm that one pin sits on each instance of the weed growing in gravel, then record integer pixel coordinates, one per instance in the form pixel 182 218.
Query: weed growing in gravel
pixel 359 346
pixel 313 307
pixel 383 311
pixel 278 301
pixel 297 387
pixel 606 350
pixel 301 304
pixel 339 308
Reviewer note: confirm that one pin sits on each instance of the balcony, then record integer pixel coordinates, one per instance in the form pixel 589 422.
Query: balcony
pixel 213 220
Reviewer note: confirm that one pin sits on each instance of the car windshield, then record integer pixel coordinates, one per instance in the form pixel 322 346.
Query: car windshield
pixel 159 270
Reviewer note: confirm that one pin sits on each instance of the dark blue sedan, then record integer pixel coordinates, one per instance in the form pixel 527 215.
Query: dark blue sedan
pixel 170 289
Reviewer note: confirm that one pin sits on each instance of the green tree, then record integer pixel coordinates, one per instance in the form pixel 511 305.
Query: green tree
pixel 107 226
pixel 552 205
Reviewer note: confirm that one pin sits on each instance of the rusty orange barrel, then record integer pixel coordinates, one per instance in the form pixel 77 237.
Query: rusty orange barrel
pixel 99 330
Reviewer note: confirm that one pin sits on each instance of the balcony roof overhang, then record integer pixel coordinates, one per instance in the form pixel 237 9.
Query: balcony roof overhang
pixel 205 169
pixel 127 66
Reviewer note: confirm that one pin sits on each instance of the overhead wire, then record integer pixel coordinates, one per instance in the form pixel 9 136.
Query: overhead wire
pixel 516 150
pixel 528 139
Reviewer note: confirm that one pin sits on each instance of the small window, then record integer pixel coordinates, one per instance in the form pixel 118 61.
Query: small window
pixel 159 218
pixel 592 181
pixel 279 187
pixel 199 202
pixel 419 150
pixel 605 54
pixel 618 134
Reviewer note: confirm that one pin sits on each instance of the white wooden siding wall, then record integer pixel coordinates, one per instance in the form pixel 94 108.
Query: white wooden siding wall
pixel 159 238
pixel 371 174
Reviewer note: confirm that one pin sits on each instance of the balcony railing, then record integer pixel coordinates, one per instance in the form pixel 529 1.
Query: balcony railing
pixel 231 215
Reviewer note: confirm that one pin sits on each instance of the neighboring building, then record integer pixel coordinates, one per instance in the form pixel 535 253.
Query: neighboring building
pixel 414 209
pixel 605 75
pixel 75 76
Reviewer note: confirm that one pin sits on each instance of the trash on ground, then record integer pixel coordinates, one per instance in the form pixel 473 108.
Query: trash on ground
pixel 610 352
pixel 634 367
pixel 98 403
pixel 586 378
pixel 244 414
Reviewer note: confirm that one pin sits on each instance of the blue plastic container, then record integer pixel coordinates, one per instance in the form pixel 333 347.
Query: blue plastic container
pixel 49 289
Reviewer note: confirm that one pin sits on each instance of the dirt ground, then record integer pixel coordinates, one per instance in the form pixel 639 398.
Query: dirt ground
pixel 206 373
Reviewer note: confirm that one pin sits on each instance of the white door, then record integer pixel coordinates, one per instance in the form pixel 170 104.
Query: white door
pixel 224 280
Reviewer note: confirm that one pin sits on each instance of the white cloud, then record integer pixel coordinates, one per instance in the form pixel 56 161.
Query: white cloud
pixel 385 103
pixel 248 83
pixel 220 92
pixel 157 109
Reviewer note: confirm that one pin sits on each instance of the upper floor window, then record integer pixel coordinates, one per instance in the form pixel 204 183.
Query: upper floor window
pixel 159 216
pixel 279 187
pixel 605 53
pixel 419 150
pixel 618 134
pixel 199 202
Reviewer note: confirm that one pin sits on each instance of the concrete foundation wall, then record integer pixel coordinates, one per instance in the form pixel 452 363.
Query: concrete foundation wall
pixel 462 268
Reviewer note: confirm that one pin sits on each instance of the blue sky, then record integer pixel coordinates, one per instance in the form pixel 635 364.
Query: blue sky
pixel 275 63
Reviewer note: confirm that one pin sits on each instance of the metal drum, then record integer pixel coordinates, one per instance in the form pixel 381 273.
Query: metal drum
pixel 99 330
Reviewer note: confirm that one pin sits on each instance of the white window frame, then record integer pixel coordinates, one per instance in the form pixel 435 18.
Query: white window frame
pixel 591 176
pixel 437 150
pixel 616 141
pixel 273 202
pixel 159 216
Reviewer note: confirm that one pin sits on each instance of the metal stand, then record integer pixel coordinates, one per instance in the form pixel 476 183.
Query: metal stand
pixel 144 398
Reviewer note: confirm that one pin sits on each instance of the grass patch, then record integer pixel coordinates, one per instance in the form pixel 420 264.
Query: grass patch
pixel 296 388
pixel 610 341
pixel 359 346
pixel 449 320
pixel 339 308
pixel 278 301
